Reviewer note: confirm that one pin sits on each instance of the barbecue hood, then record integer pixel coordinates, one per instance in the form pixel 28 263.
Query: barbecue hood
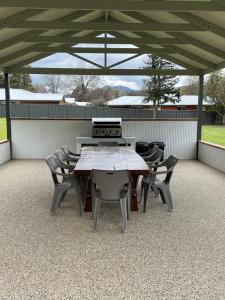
pixel 106 127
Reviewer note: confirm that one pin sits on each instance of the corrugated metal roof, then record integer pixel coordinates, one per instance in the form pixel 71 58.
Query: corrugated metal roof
pixel 24 95
pixel 139 101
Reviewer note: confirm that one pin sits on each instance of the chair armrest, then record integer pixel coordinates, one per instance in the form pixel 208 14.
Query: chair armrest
pixel 65 166
pixel 73 154
pixel 162 172
pixel 72 159
pixel 153 164
pixel 65 174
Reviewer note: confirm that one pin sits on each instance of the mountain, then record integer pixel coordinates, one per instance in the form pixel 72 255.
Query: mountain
pixel 120 88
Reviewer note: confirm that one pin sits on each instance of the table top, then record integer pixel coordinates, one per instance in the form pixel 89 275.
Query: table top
pixel 110 158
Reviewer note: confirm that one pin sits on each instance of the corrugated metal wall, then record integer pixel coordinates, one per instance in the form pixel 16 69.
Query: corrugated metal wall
pixel 36 139
pixel 4 152
pixel 212 156
pixel 52 111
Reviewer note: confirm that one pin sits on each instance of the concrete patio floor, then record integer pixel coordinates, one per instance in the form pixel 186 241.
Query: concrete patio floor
pixel 179 255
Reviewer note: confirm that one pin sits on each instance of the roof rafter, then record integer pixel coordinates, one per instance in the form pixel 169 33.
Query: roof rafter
pixel 39 47
pixel 116 41
pixel 34 33
pixel 183 52
pixel 62 49
pixel 123 61
pixel 202 24
pixel 37 57
pixel 19 17
pixel 86 60
pixel 165 56
pixel 115 5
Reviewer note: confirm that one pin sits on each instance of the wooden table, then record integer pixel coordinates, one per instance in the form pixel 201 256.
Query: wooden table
pixel 112 158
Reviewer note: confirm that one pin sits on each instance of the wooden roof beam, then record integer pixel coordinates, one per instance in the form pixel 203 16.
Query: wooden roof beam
pixel 119 72
pixel 116 5
pixel 107 26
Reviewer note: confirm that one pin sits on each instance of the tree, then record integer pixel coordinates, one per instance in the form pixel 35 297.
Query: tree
pixel 83 84
pixel 215 93
pixel 55 83
pixel 18 81
pixel 191 86
pixel 160 89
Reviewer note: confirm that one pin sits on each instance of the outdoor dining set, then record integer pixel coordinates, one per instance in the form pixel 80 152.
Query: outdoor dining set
pixel 109 173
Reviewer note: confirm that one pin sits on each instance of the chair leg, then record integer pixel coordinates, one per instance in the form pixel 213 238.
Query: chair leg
pixel 56 200
pixel 146 188
pixel 168 198
pixel 128 208
pixel 92 199
pixel 62 199
pixel 96 212
pixel 141 193
pixel 123 204
pixel 162 196
pixel 81 206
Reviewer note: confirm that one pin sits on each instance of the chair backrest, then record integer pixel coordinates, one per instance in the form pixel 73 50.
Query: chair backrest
pixel 169 164
pixel 156 157
pixel 151 151
pixel 53 164
pixel 61 156
pixel 65 150
pixel 110 183
pixel 107 144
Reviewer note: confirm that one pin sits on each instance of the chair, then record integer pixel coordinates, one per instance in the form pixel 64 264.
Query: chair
pixel 153 160
pixel 149 152
pixel 83 179
pixel 68 181
pixel 107 144
pixel 161 186
pixel 70 155
pixel 64 159
pixel 111 186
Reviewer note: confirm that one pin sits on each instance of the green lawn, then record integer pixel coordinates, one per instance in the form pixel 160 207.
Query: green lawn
pixel 2 129
pixel 214 134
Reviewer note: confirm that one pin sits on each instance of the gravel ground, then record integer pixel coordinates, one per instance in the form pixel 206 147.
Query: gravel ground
pixel 163 255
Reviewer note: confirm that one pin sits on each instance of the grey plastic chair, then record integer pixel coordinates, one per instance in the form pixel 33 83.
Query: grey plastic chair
pixel 60 154
pixel 162 186
pixel 70 155
pixel 111 186
pixel 152 161
pixel 150 152
pixel 68 182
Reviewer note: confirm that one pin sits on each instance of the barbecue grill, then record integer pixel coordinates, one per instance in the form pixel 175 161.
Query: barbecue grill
pixel 106 127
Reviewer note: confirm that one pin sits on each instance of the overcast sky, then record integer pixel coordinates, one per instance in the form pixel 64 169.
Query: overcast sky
pixel 62 60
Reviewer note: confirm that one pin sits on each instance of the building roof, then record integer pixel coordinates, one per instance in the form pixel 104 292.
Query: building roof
pixel 139 101
pixel 24 95
pixel 81 103
pixel 190 34
pixel 69 100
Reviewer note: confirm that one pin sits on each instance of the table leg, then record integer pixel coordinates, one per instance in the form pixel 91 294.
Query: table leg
pixel 133 200
pixel 88 203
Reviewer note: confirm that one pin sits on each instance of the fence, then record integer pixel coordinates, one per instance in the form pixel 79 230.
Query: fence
pixel 53 111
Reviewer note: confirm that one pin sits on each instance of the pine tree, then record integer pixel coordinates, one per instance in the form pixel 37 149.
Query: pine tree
pixel 160 89
pixel 18 81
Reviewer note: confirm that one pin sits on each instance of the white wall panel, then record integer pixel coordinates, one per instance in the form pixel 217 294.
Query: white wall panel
pixel 34 139
pixel 4 152
pixel 212 156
